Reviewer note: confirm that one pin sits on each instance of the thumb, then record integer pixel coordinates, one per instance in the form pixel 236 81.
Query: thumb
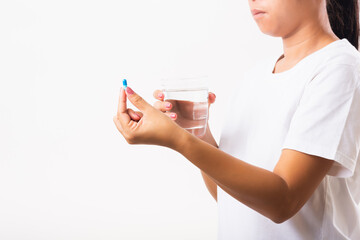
pixel 137 101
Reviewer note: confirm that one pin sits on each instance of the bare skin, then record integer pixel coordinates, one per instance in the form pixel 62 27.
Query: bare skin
pixel 307 27
pixel 278 194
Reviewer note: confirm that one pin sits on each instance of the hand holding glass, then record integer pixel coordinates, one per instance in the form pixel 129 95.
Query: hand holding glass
pixel 189 99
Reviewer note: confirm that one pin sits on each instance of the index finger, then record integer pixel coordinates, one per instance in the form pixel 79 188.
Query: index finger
pixel 122 102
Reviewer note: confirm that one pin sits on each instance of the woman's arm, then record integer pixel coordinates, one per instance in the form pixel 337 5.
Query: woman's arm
pixel 210 184
pixel 277 195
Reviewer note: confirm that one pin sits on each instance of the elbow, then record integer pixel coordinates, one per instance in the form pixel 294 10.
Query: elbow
pixel 281 217
pixel 284 212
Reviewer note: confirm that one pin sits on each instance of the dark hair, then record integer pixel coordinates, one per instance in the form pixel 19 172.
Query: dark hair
pixel 344 19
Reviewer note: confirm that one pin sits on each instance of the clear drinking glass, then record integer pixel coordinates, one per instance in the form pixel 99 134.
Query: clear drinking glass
pixel 189 99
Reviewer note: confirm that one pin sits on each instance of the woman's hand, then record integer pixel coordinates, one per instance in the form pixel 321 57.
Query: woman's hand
pixel 166 106
pixel 149 126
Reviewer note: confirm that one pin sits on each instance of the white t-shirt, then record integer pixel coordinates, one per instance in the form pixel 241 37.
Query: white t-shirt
pixel 314 107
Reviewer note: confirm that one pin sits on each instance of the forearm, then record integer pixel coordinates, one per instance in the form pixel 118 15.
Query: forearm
pixel 209 182
pixel 260 189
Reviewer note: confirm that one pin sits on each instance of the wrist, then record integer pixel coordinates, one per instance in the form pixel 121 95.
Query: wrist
pixel 182 139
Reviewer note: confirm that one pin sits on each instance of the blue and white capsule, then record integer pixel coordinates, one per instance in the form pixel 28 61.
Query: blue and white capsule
pixel 125 84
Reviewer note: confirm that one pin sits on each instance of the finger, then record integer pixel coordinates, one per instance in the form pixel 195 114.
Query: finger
pixel 136 116
pixel 158 94
pixel 137 100
pixel 171 115
pixel 212 97
pixel 122 102
pixel 118 124
pixel 122 114
pixel 163 106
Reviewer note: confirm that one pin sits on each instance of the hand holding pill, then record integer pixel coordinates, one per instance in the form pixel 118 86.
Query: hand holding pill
pixel 147 126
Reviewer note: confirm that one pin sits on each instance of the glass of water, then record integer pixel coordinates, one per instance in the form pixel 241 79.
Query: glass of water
pixel 189 98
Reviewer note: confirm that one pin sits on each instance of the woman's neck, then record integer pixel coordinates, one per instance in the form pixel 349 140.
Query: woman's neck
pixel 311 35
pixel 305 42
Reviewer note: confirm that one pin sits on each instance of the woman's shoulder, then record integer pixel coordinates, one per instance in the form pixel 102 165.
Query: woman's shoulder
pixel 343 54
pixel 340 61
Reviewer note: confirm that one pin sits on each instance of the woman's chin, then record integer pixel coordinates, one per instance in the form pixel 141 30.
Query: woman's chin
pixel 269 31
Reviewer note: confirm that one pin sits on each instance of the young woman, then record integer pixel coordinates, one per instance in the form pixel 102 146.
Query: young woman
pixel 287 165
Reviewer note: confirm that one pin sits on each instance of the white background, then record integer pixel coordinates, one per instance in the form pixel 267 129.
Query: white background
pixel 65 170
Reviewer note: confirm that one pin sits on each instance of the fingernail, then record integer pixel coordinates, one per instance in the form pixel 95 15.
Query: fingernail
pixel 160 95
pixel 172 115
pixel 129 90
pixel 168 105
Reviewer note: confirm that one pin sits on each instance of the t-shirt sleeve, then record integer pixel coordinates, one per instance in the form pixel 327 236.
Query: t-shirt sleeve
pixel 326 122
